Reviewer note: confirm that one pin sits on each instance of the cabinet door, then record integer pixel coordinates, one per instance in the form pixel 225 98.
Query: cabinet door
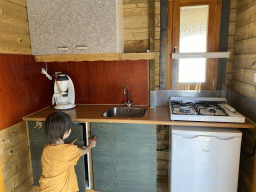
pixel 38 140
pixel 50 26
pixel 124 159
pixel 94 26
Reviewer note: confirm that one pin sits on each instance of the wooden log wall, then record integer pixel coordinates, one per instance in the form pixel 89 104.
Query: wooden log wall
pixel 231 40
pixel 242 65
pixel 1 180
pixel 162 153
pixel 137 39
pixel 137 30
pixel 15 159
pixel 14 31
pixel 245 49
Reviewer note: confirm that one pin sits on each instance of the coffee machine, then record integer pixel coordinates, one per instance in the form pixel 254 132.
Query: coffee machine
pixel 64 92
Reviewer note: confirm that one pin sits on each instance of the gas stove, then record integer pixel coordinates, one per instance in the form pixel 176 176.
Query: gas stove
pixel 213 109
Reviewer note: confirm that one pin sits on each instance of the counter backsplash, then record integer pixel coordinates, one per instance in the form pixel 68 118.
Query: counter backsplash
pixel 162 97
pixel 243 104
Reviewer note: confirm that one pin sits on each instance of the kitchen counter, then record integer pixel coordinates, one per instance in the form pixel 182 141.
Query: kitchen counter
pixel 157 115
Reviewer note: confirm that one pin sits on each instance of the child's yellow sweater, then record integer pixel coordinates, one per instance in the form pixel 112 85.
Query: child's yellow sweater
pixel 58 172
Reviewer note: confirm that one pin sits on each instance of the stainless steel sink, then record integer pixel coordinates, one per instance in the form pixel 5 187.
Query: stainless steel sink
pixel 125 112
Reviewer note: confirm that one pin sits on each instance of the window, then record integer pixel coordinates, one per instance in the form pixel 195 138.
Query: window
pixel 195 27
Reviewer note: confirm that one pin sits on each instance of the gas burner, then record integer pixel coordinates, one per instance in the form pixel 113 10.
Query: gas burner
pixel 177 104
pixel 203 109
pixel 212 111
pixel 185 110
pixel 206 105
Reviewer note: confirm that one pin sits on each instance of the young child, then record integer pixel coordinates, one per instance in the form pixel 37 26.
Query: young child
pixel 58 159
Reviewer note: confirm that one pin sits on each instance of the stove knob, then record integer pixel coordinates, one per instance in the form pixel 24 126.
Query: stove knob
pixel 232 110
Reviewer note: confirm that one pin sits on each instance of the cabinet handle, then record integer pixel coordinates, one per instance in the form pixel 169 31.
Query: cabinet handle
pixel 62 48
pixel 73 141
pixel 81 47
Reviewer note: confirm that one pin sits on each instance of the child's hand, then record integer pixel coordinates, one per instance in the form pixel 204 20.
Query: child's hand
pixel 93 142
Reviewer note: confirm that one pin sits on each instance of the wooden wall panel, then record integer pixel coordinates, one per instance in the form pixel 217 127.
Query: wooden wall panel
pixel 243 71
pixel 14 38
pixel 231 41
pixel 15 158
pixel 245 61
pixel 102 82
pixel 1 179
pixel 12 24
pixel 157 49
pixel 243 5
pixel 244 48
pixel 137 30
pixel 162 155
pixel 13 10
pixel 23 89
pixel 20 2
pixel 245 17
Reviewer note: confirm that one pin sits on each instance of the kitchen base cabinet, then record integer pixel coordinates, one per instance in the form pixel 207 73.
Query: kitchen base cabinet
pixel 38 140
pixel 125 158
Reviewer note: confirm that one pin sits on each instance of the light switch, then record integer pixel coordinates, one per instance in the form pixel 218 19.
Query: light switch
pixel 254 77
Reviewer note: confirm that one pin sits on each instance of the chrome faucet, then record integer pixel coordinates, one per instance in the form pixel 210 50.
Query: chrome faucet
pixel 128 103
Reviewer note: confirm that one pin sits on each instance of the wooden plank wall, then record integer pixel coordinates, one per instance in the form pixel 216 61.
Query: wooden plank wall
pixel 245 49
pixel 1 179
pixel 162 155
pixel 15 159
pixel 14 31
pixel 231 40
pixel 137 39
pixel 137 29
pixel 242 65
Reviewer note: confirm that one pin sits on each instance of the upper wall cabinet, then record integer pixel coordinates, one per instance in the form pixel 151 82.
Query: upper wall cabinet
pixel 74 27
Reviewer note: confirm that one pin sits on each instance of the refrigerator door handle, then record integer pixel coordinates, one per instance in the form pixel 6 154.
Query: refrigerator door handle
pixel 204 137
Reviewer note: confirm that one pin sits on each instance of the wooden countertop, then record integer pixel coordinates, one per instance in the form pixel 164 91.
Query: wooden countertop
pixel 158 116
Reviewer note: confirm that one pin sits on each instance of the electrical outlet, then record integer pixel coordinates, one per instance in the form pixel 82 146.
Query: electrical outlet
pixel 254 77
pixel 57 73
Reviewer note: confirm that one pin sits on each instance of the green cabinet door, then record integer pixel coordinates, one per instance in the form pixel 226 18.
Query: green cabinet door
pixel 125 158
pixel 38 140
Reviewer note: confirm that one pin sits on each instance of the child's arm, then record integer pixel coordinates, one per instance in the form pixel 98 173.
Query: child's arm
pixel 86 149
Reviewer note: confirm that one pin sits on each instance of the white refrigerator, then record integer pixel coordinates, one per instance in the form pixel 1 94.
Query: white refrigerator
pixel 204 159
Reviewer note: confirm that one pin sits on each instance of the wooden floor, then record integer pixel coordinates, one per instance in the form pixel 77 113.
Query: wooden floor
pixel 33 189
pixel 162 185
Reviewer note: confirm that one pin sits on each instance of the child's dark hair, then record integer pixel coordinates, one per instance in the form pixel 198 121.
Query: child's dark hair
pixel 56 125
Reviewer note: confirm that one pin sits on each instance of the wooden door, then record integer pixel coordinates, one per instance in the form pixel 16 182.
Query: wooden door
pixel 179 9
pixel 124 159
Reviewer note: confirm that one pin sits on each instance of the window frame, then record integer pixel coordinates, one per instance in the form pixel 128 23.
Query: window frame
pixel 212 43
